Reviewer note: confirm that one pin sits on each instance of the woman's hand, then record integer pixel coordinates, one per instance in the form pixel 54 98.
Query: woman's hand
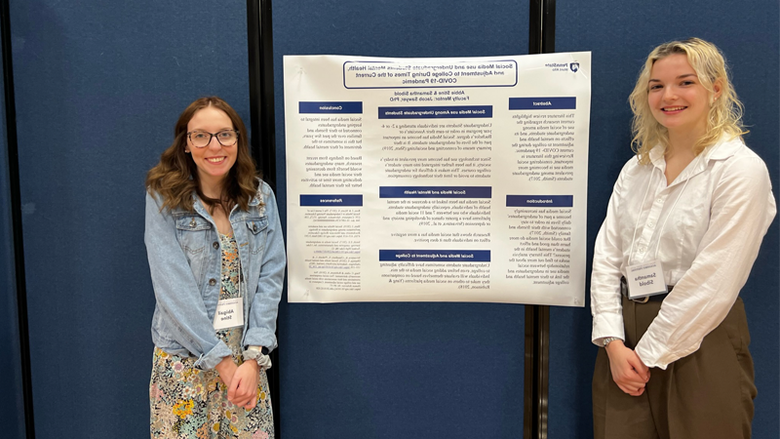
pixel 226 369
pixel 242 390
pixel 628 371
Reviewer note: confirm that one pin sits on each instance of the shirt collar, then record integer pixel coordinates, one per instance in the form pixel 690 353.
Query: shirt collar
pixel 657 157
pixel 724 148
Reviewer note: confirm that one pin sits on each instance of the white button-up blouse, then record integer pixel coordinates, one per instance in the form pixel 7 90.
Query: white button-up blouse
pixel 705 228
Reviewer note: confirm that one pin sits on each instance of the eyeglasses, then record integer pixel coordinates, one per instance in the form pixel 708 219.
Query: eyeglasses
pixel 201 139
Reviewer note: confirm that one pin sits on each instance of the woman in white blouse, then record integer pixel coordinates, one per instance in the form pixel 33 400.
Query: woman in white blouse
pixel 683 227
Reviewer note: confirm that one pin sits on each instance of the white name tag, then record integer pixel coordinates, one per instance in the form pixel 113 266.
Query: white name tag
pixel 230 313
pixel 646 280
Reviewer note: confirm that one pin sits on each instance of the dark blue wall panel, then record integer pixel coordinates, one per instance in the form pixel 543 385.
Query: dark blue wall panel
pixel 404 369
pixel 12 406
pixel 99 86
pixel 620 35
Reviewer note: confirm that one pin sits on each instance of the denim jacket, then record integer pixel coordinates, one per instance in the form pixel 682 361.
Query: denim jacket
pixel 185 260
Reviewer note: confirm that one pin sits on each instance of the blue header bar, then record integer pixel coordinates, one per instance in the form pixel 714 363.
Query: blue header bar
pixel 568 103
pixel 435 255
pixel 331 200
pixel 330 107
pixel 452 112
pixel 539 200
pixel 435 191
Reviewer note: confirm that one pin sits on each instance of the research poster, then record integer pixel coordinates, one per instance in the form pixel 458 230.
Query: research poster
pixel 437 179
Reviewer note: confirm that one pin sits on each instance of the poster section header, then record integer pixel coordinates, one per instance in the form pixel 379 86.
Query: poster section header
pixel 330 107
pixel 565 103
pixel 537 201
pixel 435 255
pixel 331 200
pixel 435 192
pixel 435 112
pixel 431 74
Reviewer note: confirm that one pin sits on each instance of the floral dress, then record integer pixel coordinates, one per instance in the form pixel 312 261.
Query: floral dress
pixel 189 403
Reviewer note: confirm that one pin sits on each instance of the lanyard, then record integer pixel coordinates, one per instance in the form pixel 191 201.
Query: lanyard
pixel 663 225
pixel 230 312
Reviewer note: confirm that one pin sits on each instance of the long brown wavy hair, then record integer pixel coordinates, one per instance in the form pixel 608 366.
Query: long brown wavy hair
pixel 175 177
pixel 725 114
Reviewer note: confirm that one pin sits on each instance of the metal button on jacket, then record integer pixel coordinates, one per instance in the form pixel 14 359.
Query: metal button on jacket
pixel 212 281
pixel 215 245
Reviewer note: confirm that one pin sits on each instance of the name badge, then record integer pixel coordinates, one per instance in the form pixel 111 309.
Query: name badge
pixel 646 280
pixel 230 313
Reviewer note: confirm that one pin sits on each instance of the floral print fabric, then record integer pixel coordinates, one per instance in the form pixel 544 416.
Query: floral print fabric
pixel 187 403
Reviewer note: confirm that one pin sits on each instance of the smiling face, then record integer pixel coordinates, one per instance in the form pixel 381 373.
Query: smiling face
pixel 214 160
pixel 677 98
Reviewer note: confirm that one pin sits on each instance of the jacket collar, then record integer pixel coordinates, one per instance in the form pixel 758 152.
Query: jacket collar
pixel 255 201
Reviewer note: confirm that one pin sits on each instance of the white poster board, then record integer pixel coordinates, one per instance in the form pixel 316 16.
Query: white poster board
pixel 437 179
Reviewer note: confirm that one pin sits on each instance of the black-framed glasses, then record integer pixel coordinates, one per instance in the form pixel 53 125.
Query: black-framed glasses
pixel 201 139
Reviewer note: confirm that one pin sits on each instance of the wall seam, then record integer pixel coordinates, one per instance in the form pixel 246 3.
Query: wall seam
pixel 16 217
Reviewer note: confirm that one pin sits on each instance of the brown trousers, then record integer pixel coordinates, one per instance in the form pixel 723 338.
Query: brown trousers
pixel 706 395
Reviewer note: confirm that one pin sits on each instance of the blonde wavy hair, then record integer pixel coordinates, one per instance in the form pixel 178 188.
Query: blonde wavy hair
pixel 175 177
pixel 725 115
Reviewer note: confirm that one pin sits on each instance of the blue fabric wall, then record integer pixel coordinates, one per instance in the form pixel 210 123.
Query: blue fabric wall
pixel 99 86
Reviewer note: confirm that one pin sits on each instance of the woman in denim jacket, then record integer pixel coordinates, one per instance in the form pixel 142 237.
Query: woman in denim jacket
pixel 216 256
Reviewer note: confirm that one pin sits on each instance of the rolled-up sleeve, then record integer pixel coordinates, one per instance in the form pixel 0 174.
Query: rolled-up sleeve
pixel 261 330
pixel 605 300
